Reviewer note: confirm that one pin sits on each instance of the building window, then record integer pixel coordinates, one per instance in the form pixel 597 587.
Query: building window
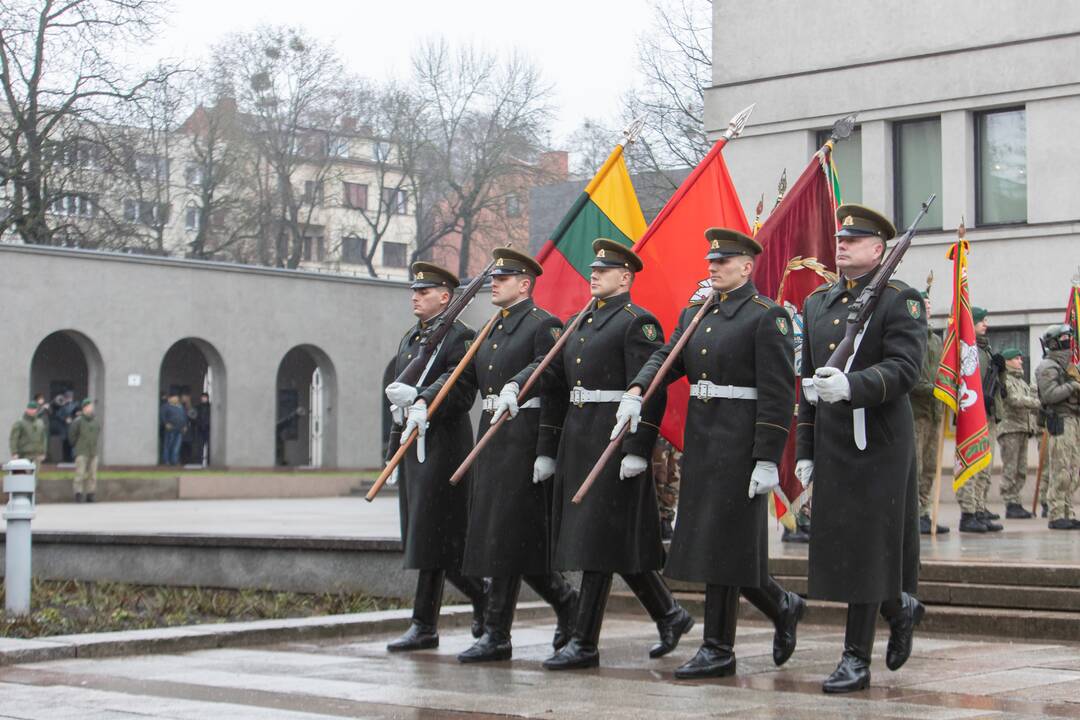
pixel 1001 167
pixel 313 192
pixel 917 170
pixel 82 206
pixel 145 212
pixel 193 175
pixel 355 196
pixel 314 248
pixel 192 218
pixel 337 146
pixel 847 154
pixel 151 167
pixel 394 255
pixel 513 206
pixel 382 151
pixel 353 249
pixel 396 201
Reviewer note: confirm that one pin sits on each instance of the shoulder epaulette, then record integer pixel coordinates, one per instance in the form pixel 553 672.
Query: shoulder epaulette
pixel 897 285
pixel 763 302
pixel 630 309
pixel 821 288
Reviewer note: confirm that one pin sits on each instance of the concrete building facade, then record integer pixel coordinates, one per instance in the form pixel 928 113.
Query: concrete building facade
pixel 977 101
pixel 292 360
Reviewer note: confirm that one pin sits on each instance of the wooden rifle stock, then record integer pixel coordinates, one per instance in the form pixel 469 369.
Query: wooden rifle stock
pixel 522 393
pixel 659 378
pixel 435 403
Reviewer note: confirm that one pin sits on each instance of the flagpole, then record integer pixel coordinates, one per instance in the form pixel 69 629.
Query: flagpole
pixel 936 489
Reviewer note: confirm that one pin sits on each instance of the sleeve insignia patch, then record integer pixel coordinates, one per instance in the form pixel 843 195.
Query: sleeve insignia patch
pixel 555 333
pixel 915 308
pixel 468 344
pixel 650 331
pixel 782 326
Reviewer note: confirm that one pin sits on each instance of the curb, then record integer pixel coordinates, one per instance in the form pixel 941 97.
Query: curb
pixel 206 637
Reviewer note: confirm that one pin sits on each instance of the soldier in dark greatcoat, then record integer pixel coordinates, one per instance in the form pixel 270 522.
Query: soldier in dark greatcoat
pixel 509 496
pixel 857 443
pixel 739 361
pixel 433 511
pixel 616 529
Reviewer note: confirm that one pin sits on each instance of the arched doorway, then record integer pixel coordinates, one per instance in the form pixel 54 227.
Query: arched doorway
pixel 305 431
pixel 193 371
pixel 66 367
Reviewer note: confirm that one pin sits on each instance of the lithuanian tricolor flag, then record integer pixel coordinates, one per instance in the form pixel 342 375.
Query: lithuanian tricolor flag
pixel 607 208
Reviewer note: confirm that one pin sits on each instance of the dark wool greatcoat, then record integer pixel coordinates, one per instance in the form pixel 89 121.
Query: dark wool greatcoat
pixel 616 528
pixel 864 546
pixel 433 511
pixel 745 340
pixel 509 516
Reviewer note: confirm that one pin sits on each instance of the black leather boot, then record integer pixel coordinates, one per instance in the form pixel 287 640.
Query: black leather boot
pixel 716 656
pixel 472 588
pixel 494 644
pixel 987 518
pixel 423 633
pixel 785 609
pixel 560 595
pixel 853 672
pixel 582 650
pixel 969 523
pixel 903 615
pixel 1016 511
pixel 670 618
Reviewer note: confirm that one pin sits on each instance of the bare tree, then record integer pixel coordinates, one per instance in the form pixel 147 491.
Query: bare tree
pixel 590 145
pixel 675 61
pixel 292 94
pixel 59 80
pixel 488 115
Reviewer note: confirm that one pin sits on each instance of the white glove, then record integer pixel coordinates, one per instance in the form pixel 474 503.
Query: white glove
pixel 392 480
pixel 831 385
pixel 507 402
pixel 543 468
pixel 401 394
pixel 629 412
pixel 808 391
pixel 397 414
pixel 632 466
pixel 804 470
pixel 417 420
pixel 764 478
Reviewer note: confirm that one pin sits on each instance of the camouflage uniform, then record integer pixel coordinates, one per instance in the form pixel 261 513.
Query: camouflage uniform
pixel 1016 426
pixel 927 411
pixel 1061 395
pixel 973 495
pixel 667 474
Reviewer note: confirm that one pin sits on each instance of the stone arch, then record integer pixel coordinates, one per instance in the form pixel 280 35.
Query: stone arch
pixel 305 427
pixel 192 366
pixel 67 360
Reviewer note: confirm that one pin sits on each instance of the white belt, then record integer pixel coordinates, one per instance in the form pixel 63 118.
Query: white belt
pixel 490 401
pixel 705 390
pixel 580 396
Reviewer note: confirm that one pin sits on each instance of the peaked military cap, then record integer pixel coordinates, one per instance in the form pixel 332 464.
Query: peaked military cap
pixel 428 275
pixel 1010 353
pixel 31 405
pixel 858 221
pixel 87 401
pixel 509 261
pixel 724 243
pixel 978 314
pixel 610 254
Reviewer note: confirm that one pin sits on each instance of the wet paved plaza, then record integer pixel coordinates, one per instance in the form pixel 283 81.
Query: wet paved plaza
pixel 945 678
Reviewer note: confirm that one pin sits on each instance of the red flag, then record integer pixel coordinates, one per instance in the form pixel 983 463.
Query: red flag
pixel 1072 317
pixel 959 384
pixel 798 255
pixel 673 249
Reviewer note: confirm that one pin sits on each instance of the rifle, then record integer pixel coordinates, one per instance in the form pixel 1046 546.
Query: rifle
pixel 522 394
pixel 657 381
pixel 866 303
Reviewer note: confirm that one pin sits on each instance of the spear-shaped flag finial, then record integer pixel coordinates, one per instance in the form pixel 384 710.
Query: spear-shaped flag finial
pixel 737 123
pixel 843 127
pixel 632 131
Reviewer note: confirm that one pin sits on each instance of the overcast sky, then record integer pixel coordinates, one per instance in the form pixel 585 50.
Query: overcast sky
pixel 585 48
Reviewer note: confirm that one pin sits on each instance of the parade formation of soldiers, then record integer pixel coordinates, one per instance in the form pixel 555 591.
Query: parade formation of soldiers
pixel 514 517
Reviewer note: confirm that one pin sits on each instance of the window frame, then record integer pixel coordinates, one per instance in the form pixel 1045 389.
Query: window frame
pixel 404 254
pixel 898 214
pixel 976 117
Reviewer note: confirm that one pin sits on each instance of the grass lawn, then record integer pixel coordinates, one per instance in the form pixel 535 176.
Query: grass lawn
pixel 70 606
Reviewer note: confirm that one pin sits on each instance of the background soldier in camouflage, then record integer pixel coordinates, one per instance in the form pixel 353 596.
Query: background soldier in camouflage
pixel 975 516
pixel 927 410
pixel 29 436
pixel 1016 426
pixel 666 462
pixel 1059 390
